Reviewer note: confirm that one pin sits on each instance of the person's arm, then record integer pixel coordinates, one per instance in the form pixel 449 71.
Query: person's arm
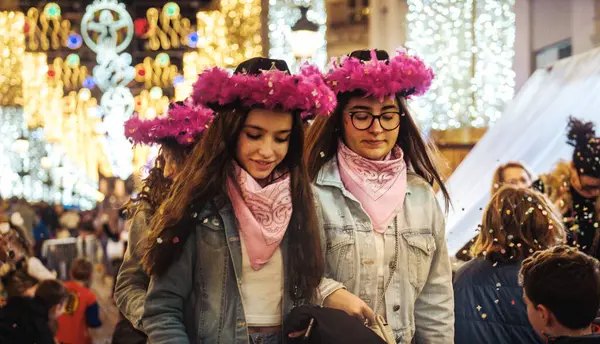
pixel 328 285
pixel 132 282
pixel 37 270
pixel 109 233
pixel 434 307
pixel 92 315
pixel 163 318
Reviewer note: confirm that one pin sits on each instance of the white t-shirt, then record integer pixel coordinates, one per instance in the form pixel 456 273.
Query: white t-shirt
pixel 262 290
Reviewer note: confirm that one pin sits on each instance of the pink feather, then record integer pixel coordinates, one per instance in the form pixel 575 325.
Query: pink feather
pixel 402 73
pixel 275 90
pixel 182 123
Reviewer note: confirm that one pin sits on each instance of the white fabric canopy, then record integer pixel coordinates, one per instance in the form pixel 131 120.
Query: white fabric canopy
pixel 532 130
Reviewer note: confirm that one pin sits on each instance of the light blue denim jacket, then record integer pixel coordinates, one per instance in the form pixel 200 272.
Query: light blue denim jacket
pixel 198 300
pixel 132 282
pixel 419 301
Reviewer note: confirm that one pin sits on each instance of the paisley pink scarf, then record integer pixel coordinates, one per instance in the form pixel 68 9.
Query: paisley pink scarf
pixel 379 186
pixel 263 214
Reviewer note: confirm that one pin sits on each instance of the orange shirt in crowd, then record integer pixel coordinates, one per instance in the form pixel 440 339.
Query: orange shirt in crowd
pixel 81 313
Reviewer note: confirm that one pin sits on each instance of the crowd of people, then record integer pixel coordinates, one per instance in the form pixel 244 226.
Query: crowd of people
pixel 301 208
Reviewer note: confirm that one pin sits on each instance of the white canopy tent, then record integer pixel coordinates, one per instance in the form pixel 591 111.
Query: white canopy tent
pixel 532 130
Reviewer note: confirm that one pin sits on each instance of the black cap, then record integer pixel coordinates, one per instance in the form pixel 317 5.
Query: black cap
pixel 257 65
pixel 177 103
pixel 365 55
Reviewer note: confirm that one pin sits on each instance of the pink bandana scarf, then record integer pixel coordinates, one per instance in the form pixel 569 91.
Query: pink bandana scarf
pixel 263 214
pixel 379 186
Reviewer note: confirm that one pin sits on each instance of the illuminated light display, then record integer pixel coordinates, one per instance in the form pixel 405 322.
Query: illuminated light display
pixel 112 74
pixel 470 45
pixel 12 50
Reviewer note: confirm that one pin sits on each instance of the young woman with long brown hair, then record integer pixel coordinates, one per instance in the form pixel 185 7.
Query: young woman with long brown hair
pixel 489 304
pixel 175 132
pixel 237 244
pixel 374 175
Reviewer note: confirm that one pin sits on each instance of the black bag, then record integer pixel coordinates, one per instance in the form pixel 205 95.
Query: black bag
pixel 330 326
pixel 125 333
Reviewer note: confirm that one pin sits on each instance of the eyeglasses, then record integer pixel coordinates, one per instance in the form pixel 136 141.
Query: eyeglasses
pixel 362 120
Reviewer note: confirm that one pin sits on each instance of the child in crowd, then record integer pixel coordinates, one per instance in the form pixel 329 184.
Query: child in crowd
pixel 562 292
pixel 29 320
pixel 81 311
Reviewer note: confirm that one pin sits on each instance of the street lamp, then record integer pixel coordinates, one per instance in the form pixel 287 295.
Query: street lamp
pixel 304 36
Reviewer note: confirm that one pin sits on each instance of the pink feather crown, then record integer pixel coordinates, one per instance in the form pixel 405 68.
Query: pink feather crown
pixel 272 89
pixel 402 74
pixel 183 123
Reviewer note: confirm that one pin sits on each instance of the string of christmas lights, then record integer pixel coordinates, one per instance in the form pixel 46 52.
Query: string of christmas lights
pixel 470 45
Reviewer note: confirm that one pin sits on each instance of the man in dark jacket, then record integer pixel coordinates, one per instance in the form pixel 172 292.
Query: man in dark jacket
pixel 561 311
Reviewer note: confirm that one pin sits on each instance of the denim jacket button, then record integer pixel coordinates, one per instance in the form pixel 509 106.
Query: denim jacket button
pixel 215 222
pixel 396 308
pixel 392 264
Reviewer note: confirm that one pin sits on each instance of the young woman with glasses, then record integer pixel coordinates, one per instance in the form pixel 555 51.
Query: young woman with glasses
pixel 373 175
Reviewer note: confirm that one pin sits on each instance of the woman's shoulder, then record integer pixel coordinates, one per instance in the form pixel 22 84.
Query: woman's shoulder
pixel 416 184
pixel 480 270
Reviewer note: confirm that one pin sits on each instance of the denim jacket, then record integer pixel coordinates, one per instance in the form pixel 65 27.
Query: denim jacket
pixel 419 301
pixel 198 299
pixel 132 282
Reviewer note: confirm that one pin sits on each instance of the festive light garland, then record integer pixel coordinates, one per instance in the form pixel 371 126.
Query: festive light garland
pixel 470 45
pixel 164 29
pixel 225 38
pixel 282 16
pixel 46 31
pixel 12 48
pixel 112 33
pixel 156 72
pixel 43 172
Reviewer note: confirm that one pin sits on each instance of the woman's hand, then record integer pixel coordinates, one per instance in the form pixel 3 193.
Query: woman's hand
pixel 346 301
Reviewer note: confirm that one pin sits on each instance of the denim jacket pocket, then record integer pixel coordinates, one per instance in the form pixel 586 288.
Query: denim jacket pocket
pixel 212 232
pixel 340 254
pixel 421 248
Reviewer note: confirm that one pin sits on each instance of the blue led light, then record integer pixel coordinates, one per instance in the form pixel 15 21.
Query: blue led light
pixel 192 39
pixel 74 41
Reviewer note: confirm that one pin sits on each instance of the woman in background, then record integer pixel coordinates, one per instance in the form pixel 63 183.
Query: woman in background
pixel 489 306
pixel 511 173
pixel 175 132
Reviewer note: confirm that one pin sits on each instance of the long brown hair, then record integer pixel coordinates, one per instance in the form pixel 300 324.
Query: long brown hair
pixel 204 177
pixel 324 133
pixel 516 223
pixel 155 187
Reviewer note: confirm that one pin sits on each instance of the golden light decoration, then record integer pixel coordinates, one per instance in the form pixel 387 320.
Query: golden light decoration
pixel 148 107
pixel 12 49
pixel 46 31
pixel 82 144
pixel 166 28
pixel 152 74
pixel 225 39
pixel 69 71
pixel 35 96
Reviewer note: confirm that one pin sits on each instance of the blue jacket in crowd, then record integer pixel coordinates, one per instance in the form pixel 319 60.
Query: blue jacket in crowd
pixel 489 306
